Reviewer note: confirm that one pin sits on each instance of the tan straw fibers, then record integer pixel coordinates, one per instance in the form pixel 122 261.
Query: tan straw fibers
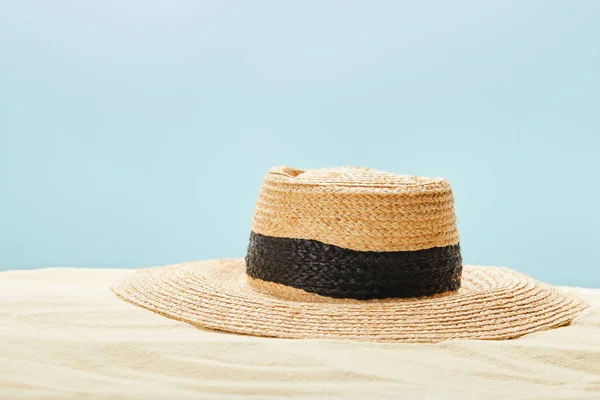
pixel 357 208
pixel 341 212
pixel 493 303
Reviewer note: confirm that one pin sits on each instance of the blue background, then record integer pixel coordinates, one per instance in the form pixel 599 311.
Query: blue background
pixel 137 133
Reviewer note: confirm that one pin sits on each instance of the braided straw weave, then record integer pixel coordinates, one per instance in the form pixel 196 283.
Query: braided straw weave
pixel 359 210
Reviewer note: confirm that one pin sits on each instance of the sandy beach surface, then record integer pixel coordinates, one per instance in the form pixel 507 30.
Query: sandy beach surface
pixel 64 334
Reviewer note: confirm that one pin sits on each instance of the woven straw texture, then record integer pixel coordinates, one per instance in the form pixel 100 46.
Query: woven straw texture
pixel 357 208
pixel 493 303
pixel 330 258
pixel 336 272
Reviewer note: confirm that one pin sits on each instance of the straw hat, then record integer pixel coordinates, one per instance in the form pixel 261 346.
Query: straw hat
pixel 352 253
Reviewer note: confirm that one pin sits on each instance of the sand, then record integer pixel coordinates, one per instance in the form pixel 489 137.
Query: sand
pixel 63 335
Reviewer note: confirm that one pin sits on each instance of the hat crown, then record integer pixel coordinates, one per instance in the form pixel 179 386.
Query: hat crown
pixel 355 232
pixel 350 177
pixel 357 208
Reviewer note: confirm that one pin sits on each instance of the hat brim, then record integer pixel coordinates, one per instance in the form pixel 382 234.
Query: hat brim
pixel 493 303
